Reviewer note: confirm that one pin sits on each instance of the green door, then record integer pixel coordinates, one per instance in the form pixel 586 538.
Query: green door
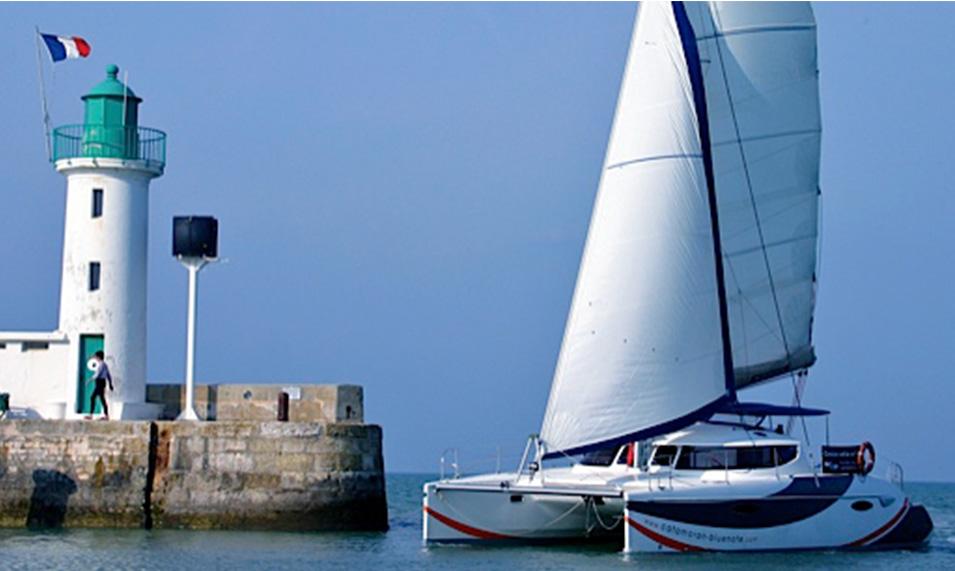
pixel 89 344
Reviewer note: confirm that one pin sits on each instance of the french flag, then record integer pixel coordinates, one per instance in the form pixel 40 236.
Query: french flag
pixel 63 47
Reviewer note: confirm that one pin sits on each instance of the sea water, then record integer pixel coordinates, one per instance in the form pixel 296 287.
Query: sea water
pixel 401 548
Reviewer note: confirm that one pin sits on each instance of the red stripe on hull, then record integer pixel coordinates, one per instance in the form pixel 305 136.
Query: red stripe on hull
pixel 884 529
pixel 662 539
pixel 464 528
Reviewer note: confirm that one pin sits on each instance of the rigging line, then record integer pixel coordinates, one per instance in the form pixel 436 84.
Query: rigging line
pixel 752 197
pixel 768 246
pixel 798 204
pixel 747 301
pixel 819 250
pixel 742 312
pixel 799 385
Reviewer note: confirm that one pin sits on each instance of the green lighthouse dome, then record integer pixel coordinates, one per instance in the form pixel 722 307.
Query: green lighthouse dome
pixel 107 102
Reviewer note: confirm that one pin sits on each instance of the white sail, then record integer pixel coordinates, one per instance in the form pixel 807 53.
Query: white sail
pixel 643 344
pixel 759 69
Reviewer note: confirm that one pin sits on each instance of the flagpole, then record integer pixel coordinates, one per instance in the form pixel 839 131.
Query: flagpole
pixel 125 94
pixel 46 113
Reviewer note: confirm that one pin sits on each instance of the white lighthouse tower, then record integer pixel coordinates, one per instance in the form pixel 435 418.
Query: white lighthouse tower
pixel 108 162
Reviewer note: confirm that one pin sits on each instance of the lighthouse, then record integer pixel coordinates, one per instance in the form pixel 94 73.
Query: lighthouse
pixel 108 162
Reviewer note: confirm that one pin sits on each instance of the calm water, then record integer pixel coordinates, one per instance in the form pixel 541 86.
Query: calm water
pixel 401 548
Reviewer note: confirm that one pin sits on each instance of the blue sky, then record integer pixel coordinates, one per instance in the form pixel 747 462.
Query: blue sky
pixel 403 193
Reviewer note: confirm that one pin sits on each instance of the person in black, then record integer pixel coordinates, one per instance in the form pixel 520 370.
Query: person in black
pixel 101 377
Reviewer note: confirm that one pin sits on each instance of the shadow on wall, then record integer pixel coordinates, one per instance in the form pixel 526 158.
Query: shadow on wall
pixel 51 494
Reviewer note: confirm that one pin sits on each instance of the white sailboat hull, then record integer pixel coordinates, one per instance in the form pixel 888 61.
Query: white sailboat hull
pixel 706 488
pixel 848 511
pixel 868 513
pixel 482 510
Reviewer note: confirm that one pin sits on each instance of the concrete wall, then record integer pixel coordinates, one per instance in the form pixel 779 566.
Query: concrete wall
pixel 226 475
pixel 33 369
pixel 308 403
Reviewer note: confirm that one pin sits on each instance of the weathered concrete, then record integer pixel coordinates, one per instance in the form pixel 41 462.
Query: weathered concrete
pixel 224 475
pixel 309 403
pixel 56 473
pixel 269 475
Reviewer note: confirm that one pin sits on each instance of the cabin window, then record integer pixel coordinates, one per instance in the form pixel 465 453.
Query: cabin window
pixel 741 458
pixel 94 276
pixel 97 202
pixel 663 456
pixel 35 345
pixel 785 454
pixel 624 454
pixel 602 457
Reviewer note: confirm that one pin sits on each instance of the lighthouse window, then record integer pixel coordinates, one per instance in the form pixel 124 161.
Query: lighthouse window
pixel 97 202
pixel 94 276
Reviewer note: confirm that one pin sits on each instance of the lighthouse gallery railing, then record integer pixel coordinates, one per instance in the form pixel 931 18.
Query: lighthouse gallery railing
pixel 94 141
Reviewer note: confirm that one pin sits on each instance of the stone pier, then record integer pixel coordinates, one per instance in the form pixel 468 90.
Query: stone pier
pixel 242 474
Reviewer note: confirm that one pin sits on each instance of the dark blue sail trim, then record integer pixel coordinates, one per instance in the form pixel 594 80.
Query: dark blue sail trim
pixel 665 428
pixel 695 70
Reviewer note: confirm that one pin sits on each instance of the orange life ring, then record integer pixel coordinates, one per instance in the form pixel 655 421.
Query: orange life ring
pixel 865 458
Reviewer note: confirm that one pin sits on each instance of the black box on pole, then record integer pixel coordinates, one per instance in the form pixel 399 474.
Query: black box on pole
pixel 195 236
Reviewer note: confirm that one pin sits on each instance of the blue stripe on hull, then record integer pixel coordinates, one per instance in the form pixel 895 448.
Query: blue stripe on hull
pixel 800 500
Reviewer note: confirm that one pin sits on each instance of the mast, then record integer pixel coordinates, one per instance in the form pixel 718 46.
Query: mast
pixel 694 68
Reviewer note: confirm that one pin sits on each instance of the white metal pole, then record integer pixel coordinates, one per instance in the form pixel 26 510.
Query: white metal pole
pixel 189 411
pixel 46 113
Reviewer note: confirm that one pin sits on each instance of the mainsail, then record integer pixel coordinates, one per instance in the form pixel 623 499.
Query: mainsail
pixel 760 72
pixel 643 349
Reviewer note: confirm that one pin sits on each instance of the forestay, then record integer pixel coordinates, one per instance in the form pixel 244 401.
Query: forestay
pixel 760 73
pixel 642 351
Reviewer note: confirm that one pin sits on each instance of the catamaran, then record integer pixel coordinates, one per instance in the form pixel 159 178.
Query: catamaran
pixel 697 281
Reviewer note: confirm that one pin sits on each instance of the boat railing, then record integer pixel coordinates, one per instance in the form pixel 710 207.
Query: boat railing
pixel 455 466
pixel 662 479
pixel 894 473
pixel 529 464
